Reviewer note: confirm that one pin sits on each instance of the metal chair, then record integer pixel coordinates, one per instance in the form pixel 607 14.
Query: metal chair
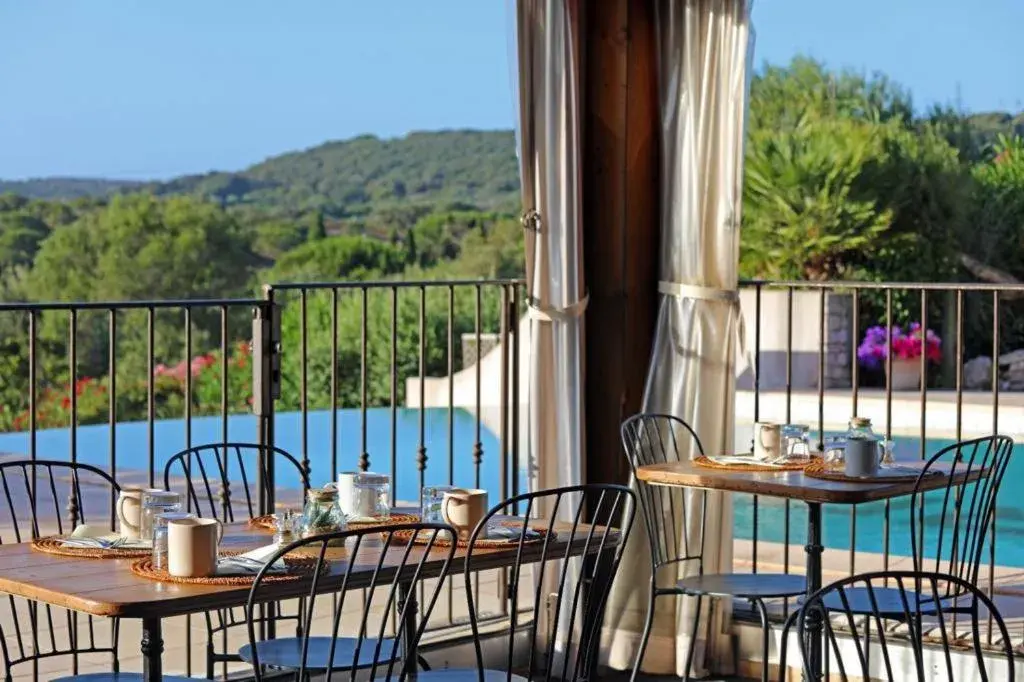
pixel 397 567
pixel 848 637
pixel 655 439
pixel 955 527
pixel 46 497
pixel 574 590
pixel 209 472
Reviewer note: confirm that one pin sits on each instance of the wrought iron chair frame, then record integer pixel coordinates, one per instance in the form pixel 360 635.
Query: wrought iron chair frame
pixel 218 504
pixel 76 513
pixel 400 597
pixel 671 544
pixel 964 566
pixel 911 615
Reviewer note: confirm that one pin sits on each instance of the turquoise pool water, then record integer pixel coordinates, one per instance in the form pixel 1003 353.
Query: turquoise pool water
pixel 131 438
pixel 870 531
pixel 93 446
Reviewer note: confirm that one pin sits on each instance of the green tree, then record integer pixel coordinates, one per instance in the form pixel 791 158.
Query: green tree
pixel 803 213
pixel 317 229
pixel 337 259
pixel 142 248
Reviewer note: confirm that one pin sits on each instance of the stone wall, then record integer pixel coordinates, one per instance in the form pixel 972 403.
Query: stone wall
pixel 470 352
pixel 838 340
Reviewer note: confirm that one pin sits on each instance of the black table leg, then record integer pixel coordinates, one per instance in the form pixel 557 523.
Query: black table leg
pixel 814 549
pixel 152 650
pixel 410 610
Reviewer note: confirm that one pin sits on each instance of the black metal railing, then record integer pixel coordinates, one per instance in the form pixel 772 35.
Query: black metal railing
pixel 330 367
pixel 971 319
pixel 323 367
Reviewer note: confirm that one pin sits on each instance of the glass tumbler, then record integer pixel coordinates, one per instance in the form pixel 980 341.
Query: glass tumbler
pixel 154 503
pixel 160 535
pixel 431 499
pixel 372 497
pixel 835 452
pixel 796 441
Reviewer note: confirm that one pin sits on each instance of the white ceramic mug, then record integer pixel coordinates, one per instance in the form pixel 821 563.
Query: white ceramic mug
pixel 192 547
pixel 129 511
pixel 346 487
pixel 463 509
pixel 767 441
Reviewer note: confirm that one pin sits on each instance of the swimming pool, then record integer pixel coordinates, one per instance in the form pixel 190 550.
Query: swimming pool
pixel 93 447
pixel 131 439
pixel 870 529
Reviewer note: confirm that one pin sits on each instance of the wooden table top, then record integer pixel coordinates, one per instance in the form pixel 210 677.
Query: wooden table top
pixel 107 587
pixel 793 485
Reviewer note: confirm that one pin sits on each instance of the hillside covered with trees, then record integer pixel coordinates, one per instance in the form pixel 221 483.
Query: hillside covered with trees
pixel 844 181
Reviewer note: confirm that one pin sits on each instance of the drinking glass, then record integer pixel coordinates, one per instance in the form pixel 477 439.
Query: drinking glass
pixel 796 441
pixel 154 503
pixel 372 497
pixel 430 506
pixel 835 452
pixel 160 535
pixel 888 453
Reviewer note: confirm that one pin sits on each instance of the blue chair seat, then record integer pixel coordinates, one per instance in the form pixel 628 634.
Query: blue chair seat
pixel 461 675
pixel 119 677
pixel 287 653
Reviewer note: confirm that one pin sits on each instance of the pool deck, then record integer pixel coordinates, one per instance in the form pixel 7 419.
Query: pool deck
pixel 976 416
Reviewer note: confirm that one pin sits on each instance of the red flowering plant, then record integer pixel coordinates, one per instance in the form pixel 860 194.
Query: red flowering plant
pixel 53 405
pixel 92 404
pixel 207 374
pixel 904 345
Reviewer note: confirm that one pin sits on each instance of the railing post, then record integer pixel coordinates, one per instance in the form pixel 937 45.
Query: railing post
pixel 266 387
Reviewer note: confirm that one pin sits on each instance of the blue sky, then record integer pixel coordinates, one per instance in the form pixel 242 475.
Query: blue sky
pixel 157 88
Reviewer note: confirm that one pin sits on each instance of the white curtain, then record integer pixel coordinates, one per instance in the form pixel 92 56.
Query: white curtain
pixel 549 159
pixel 547 86
pixel 704 55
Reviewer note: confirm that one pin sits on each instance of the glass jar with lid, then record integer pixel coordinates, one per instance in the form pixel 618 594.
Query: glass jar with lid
pixel 860 429
pixel 371 497
pixel 864 448
pixel 322 513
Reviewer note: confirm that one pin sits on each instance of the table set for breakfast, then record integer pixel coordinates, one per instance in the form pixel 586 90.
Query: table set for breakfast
pixel 164 560
pixel 851 469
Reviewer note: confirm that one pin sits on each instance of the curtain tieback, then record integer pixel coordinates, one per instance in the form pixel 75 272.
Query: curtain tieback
pixel 700 293
pixel 546 313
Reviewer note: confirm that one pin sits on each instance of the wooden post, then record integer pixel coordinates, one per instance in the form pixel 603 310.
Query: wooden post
pixel 620 219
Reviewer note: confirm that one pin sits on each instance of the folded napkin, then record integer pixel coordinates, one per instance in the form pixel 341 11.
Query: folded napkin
pixel 512 533
pixel 250 563
pixel 746 459
pixel 100 537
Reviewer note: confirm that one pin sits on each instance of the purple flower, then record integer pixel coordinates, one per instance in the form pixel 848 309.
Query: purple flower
pixel 877 344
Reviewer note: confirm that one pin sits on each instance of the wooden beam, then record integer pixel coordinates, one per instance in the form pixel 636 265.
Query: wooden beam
pixel 620 219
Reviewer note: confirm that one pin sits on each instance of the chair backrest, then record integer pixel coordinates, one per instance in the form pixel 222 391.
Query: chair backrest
pixel 568 595
pixel 49 497
pixel 667 510
pixel 209 470
pixel 849 632
pixel 372 574
pixel 950 526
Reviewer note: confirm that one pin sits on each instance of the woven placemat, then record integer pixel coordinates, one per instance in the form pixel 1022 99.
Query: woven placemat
pixel 708 463
pixel 267 522
pixel 53 544
pixel 441 541
pixel 299 567
pixel 394 520
pixel 825 472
